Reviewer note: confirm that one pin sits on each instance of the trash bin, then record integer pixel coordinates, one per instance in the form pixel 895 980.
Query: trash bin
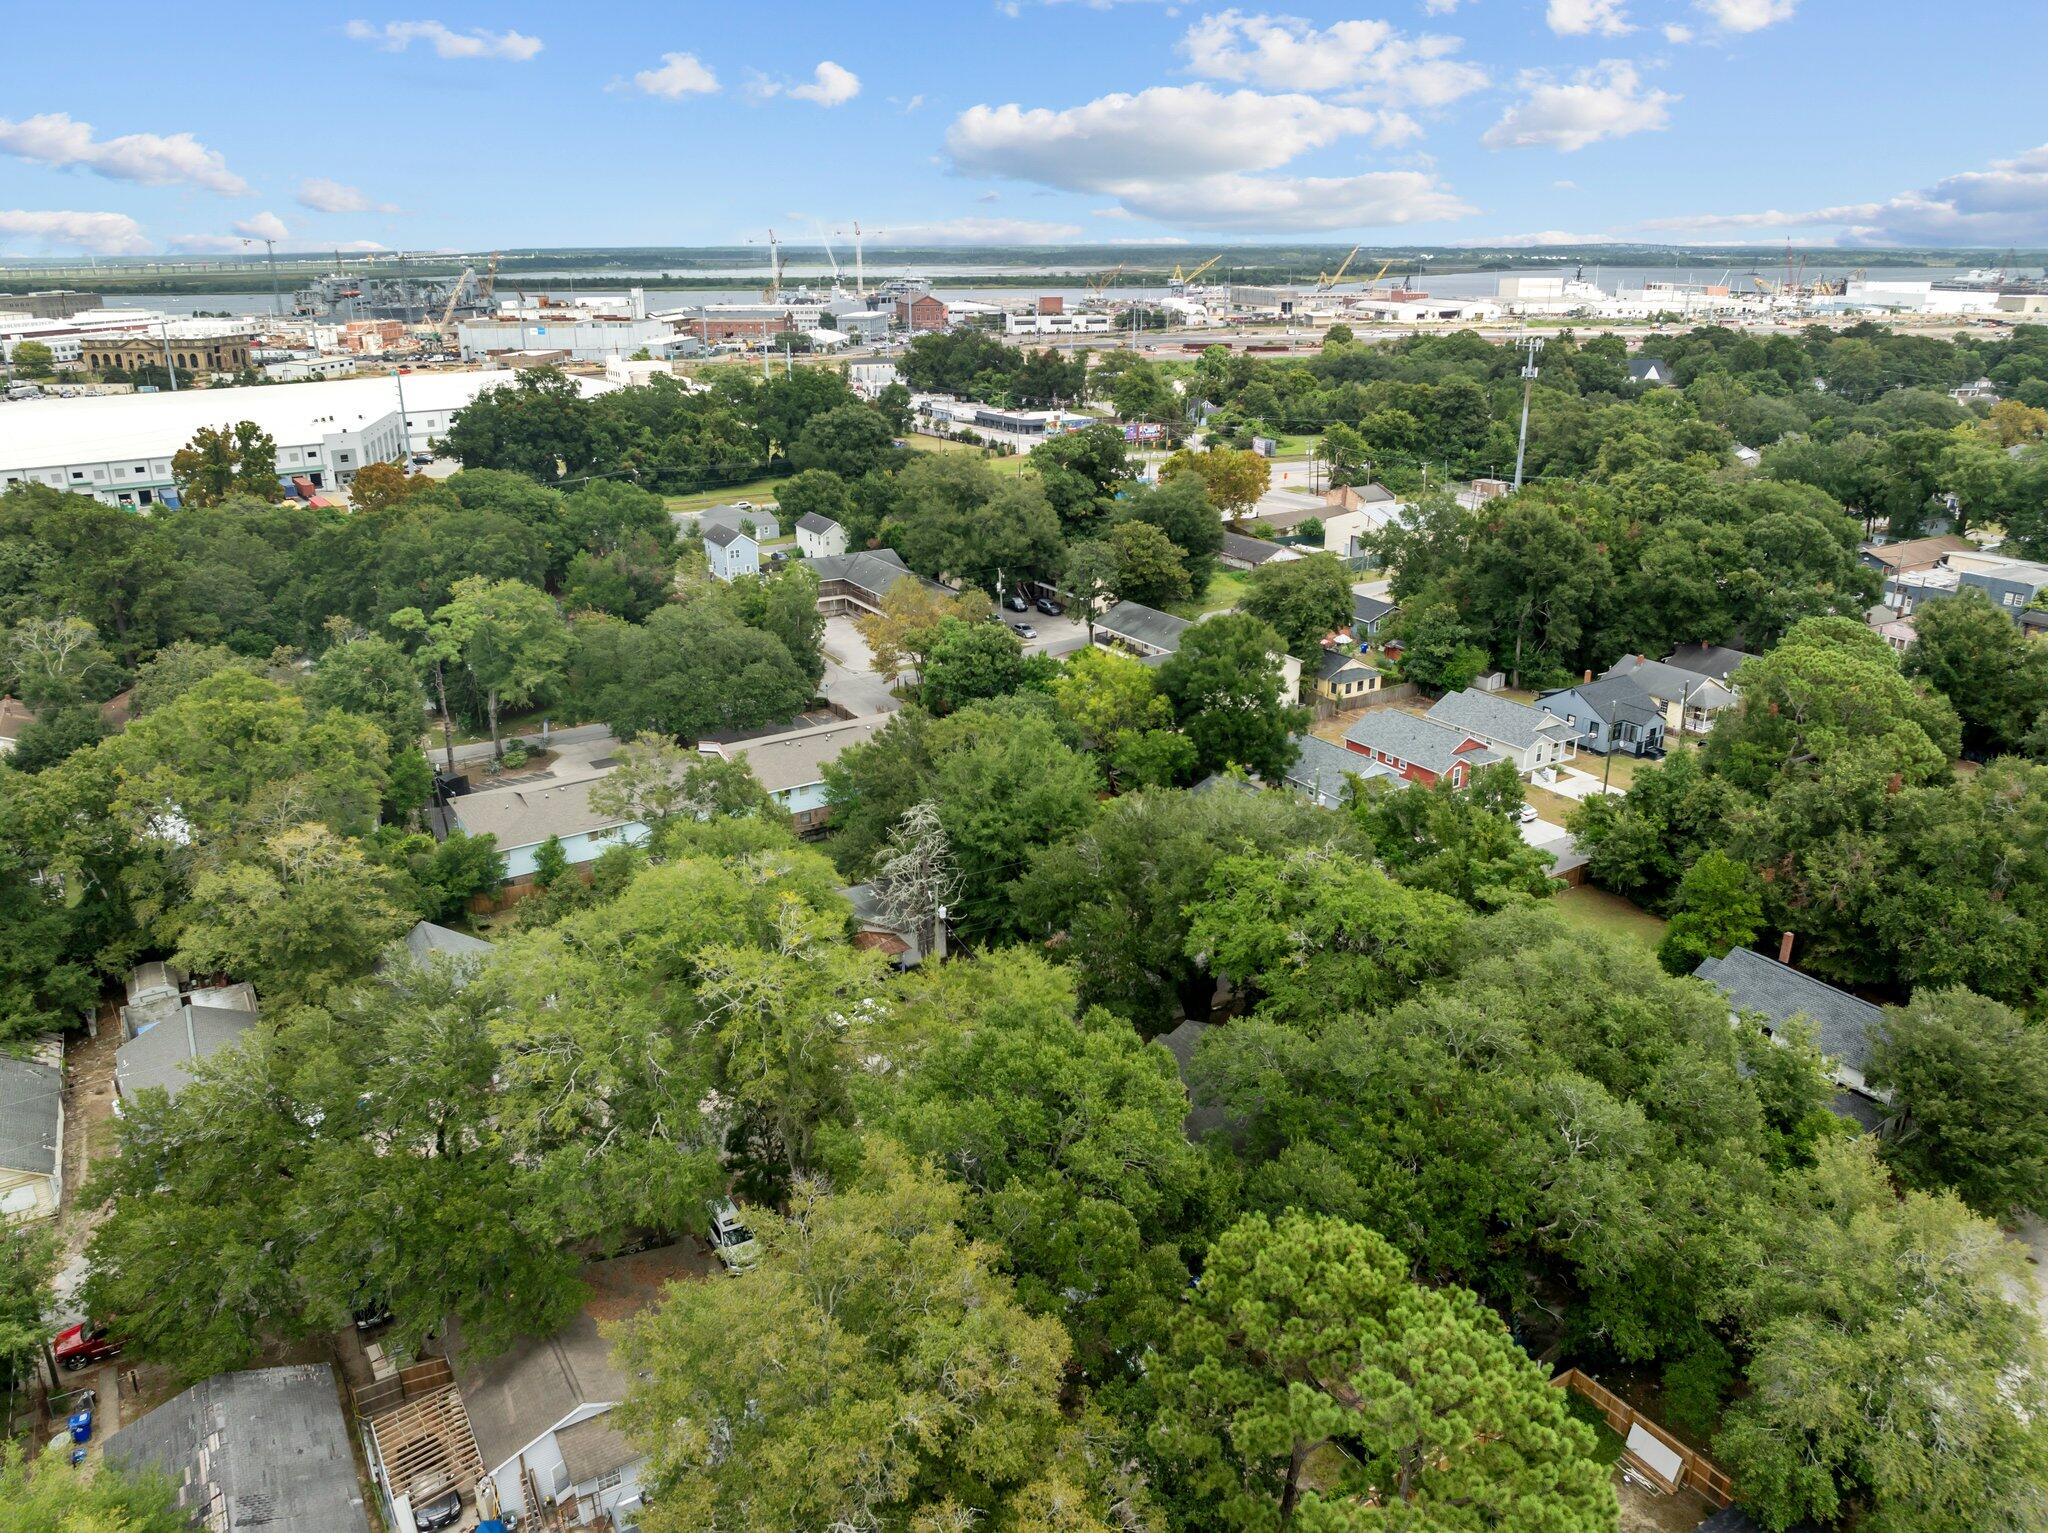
pixel 81 1426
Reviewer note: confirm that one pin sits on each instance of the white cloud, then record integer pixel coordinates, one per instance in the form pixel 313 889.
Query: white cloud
pixel 360 246
pixel 1606 101
pixel 149 159
pixel 477 43
pixel 1577 18
pixel 831 85
pixel 325 196
pixel 1368 60
pixel 2004 204
pixel 1535 241
pixel 1677 33
pixel 1187 154
pixel 1564 186
pixel 263 226
pixel 976 231
pixel 1439 7
pixel 1747 15
pixel 52 230
pixel 680 75
pixel 1151 239
pixel 209 244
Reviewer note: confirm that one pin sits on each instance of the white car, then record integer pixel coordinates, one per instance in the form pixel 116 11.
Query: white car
pixel 1526 814
pixel 731 1239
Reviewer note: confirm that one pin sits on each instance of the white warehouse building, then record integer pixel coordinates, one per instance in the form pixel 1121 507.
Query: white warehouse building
pixel 1057 324
pixel 119 447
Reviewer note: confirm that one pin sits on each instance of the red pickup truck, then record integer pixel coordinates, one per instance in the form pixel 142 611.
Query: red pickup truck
pixel 83 1345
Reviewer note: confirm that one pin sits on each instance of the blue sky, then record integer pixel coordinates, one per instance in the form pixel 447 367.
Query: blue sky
pixel 149 128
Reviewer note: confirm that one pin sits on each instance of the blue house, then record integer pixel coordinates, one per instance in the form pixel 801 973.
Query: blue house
pixel 1615 713
pixel 731 552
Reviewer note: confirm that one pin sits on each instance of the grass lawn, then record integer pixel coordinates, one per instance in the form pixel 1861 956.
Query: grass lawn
pixel 1596 910
pixel 1608 1449
pixel 1226 589
pixel 1008 466
pixel 756 490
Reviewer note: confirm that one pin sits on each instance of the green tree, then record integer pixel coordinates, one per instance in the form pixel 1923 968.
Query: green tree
pixel 28 1262
pixel 550 863
pixel 1234 479
pixel 1090 578
pixel 32 359
pixel 56 735
pixel 511 641
pixel 849 441
pixel 1894 1374
pixel 221 461
pixel 47 1495
pixel 1969 1099
pixel 310 914
pixel 814 492
pixel 1180 507
pixel 1149 568
pixel 688 671
pixel 969 661
pixel 1975 655
pixel 373 679
pixel 1225 685
pixel 1306 1333
pixel 1720 907
pixel 1305 600
pixel 787 1401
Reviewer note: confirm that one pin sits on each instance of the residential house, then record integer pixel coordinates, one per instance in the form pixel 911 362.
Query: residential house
pixel 856 582
pixel 1649 370
pixel 1536 740
pixel 757 522
pixel 1419 749
pixel 1614 713
pixel 1369 614
pixel 1154 636
pixel 541 1412
pixel 1703 659
pixel 264 1449
pixel 819 537
pixel 427 942
pixel 1322 772
pixel 31 1134
pixel 522 817
pixel 1747 457
pixel 731 553
pixel 1845 1027
pixel 1344 680
pixel 2009 584
pixel 168 1032
pixel 1691 702
pixel 1896 631
pixel 1913 554
pixel 875 930
pixel 1358 512
pixel 1242 553
pixel 1145 631
pixel 791 766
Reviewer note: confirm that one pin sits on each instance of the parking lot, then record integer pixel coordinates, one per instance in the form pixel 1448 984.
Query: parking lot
pixel 1060 635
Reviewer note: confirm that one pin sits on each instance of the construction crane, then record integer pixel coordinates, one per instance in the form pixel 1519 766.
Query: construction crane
pixel 454 297
pixel 1330 279
pixel 773 290
pixel 1097 286
pixel 1189 279
pixel 489 286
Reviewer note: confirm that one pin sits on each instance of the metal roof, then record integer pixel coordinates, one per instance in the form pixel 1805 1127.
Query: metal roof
pixel 31 1115
pixel 1755 983
pixel 265 1449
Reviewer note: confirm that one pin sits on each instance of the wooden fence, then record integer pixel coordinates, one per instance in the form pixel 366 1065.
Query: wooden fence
pixel 1696 1470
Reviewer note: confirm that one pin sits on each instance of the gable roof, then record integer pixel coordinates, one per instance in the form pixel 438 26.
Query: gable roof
pixel 873 570
pixel 1335 662
pixel 1715 660
pixel 1640 368
pixel 161 1056
pixel 724 534
pixel 1254 551
pixel 1672 683
pixel 1612 699
pixel 1143 625
pixel 799 758
pixel 1370 609
pixel 1498 720
pixel 1323 771
pixel 528 815
pixel 1428 743
pixel 265 1449
pixel 426 939
pixel 1753 982
pixel 1918 553
pixel 812 521
pixel 31 1115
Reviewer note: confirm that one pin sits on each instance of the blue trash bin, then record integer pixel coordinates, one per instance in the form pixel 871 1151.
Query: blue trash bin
pixel 81 1426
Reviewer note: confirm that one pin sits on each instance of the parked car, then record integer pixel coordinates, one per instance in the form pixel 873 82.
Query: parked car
pixel 84 1344
pixel 1048 606
pixel 1526 814
pixel 1016 603
pixel 442 1510
pixel 731 1239
pixel 1025 630
pixel 422 458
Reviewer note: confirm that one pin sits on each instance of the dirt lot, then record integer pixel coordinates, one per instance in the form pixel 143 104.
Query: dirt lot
pixel 1644 1510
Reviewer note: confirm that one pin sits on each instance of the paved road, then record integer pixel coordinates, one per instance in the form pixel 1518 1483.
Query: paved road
pixel 580 734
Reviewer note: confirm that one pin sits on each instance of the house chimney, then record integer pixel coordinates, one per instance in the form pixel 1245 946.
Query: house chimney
pixel 1785 949
pixel 1588 676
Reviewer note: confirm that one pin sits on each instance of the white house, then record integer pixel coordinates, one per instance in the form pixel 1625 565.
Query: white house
pixel 732 552
pixel 524 817
pixel 819 537
pixel 791 767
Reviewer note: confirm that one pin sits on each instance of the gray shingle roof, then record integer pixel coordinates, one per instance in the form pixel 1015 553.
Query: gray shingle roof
pixel 426 939
pixel 1498 720
pixel 723 535
pixel 266 1449
pixel 31 1114
pixel 527 816
pixel 1146 626
pixel 1613 699
pixel 1431 745
pixel 1335 662
pixel 1715 660
pixel 1322 771
pixel 1753 982
pixel 1672 683
pixel 160 1056
pixel 811 521
pixel 1252 551
pixel 873 570
pixel 1369 609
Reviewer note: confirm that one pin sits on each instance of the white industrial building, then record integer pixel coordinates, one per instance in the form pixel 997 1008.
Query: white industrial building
pixel 1057 324
pixel 1918 297
pixel 119 447
pixel 67 337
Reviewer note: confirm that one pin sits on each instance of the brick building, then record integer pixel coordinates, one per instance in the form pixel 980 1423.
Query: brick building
pixel 920 311
pixel 189 354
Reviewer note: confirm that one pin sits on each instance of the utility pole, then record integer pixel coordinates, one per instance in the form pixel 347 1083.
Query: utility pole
pixel 1532 344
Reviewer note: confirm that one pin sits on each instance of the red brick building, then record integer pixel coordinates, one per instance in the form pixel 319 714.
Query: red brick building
pixel 922 312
